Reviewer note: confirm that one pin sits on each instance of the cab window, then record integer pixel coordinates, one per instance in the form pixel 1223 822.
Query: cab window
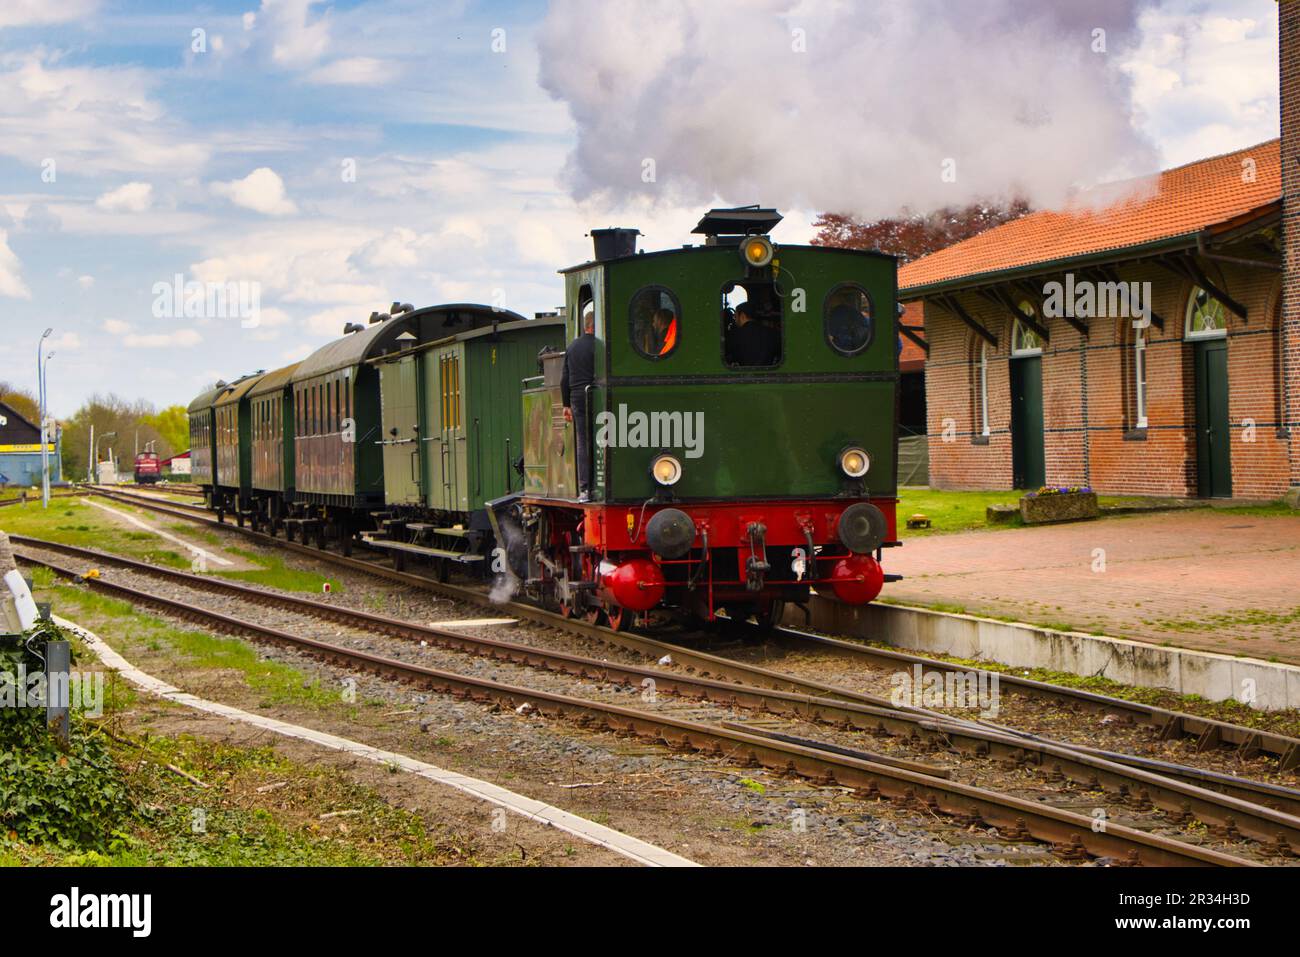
pixel 751 325
pixel 654 322
pixel 848 320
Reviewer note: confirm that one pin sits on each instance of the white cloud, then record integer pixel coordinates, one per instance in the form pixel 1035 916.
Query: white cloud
pixel 262 191
pixel 131 198
pixel 85 282
pixel 11 280
pixel 296 39
pixel 64 341
pixel 162 340
pixel 1204 85
pixel 103 119
pixel 117 327
pixel 25 13
pixel 354 71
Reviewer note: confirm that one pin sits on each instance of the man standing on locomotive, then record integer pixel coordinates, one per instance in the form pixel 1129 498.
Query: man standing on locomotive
pixel 579 373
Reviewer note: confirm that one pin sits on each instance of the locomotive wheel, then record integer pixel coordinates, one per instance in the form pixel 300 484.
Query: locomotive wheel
pixel 239 518
pixel 567 610
pixel 345 543
pixel 596 616
pixel 622 619
pixel 772 617
pixel 442 570
pixel 320 536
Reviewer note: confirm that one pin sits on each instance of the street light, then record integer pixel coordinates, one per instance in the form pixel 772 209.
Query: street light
pixel 40 388
pixel 106 435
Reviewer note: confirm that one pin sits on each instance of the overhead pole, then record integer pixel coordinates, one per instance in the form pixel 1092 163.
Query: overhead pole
pixel 40 389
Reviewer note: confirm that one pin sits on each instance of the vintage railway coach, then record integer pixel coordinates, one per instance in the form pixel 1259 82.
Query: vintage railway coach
pixel 340 445
pixel 203 440
pixel 232 419
pixel 743 426
pixel 452 431
pixel 271 406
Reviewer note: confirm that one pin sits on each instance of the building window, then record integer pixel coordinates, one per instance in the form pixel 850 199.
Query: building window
pixel 654 322
pixel 1206 316
pixel 1024 340
pixel 984 388
pixel 847 319
pixel 1140 379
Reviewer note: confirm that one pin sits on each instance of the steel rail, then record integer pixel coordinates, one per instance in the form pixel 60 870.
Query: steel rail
pixel 1252 809
pixel 1072 835
pixel 1209 732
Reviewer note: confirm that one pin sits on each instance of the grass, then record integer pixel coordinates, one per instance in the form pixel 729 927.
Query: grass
pixel 274 574
pixel 965 511
pixel 88 527
pixel 258 809
pixel 120 624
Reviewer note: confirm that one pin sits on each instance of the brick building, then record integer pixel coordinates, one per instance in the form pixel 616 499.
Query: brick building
pixel 1045 366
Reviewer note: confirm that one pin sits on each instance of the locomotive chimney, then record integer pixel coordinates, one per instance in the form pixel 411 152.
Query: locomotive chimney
pixel 614 242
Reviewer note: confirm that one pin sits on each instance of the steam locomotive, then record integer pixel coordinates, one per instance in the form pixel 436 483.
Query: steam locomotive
pixel 723 477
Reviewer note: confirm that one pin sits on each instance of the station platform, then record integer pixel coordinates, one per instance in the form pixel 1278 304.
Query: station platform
pixel 1219 580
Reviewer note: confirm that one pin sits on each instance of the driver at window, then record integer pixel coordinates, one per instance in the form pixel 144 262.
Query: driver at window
pixel 750 342
pixel 662 333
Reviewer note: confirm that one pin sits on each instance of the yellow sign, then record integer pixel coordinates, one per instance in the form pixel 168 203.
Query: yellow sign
pixel 34 447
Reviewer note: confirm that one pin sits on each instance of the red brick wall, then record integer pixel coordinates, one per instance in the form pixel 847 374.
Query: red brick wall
pixel 1289 77
pixel 1088 396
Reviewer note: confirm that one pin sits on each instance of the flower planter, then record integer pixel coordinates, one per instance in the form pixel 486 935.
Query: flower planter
pixel 1043 507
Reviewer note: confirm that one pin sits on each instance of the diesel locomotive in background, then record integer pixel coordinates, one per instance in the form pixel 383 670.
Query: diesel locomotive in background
pixel 732 469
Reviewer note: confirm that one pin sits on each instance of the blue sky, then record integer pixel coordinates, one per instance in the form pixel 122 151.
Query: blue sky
pixel 228 163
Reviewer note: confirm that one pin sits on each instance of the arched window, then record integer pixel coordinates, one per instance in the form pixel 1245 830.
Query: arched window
pixel 1206 316
pixel 654 322
pixel 1024 340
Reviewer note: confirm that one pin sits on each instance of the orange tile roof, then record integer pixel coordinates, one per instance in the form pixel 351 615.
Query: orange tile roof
pixel 1177 202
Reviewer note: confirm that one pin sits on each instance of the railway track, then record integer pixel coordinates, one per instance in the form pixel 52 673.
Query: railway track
pixel 1244 815
pixel 1207 733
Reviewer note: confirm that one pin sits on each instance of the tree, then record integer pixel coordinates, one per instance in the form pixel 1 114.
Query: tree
pixel 173 426
pixel 110 413
pixel 22 402
pixel 912 235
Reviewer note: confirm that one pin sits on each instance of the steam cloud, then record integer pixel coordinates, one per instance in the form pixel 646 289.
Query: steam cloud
pixel 716 94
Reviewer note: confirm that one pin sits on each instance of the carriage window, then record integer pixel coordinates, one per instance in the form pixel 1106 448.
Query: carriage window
pixel 847 319
pixel 751 325
pixel 653 322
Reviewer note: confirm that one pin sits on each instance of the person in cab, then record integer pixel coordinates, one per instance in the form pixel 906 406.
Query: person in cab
pixel 750 342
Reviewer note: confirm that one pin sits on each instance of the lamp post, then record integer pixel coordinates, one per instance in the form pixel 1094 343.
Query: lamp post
pixel 106 435
pixel 40 388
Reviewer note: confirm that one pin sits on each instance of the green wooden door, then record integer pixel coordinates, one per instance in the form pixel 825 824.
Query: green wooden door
pixel 1028 461
pixel 1213 438
pixel 399 418
pixel 445 415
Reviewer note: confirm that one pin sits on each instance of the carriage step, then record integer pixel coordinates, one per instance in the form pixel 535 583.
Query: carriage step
pixel 424 550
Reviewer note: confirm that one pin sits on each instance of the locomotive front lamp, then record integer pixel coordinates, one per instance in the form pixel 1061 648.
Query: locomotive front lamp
pixel 665 470
pixel 854 462
pixel 756 251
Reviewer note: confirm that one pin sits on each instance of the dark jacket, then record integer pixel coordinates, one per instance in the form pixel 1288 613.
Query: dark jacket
pixel 579 367
pixel 753 344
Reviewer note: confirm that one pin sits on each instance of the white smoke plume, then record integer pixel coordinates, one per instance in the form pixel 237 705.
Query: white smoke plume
pixel 856 106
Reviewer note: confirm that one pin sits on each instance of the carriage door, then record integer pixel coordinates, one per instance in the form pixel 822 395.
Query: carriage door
pixel 399 416
pixel 445 413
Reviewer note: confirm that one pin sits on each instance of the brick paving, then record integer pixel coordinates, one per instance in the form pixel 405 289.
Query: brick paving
pixel 1207 579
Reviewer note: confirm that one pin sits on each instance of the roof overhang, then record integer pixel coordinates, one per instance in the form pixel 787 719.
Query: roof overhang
pixel 1217 234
